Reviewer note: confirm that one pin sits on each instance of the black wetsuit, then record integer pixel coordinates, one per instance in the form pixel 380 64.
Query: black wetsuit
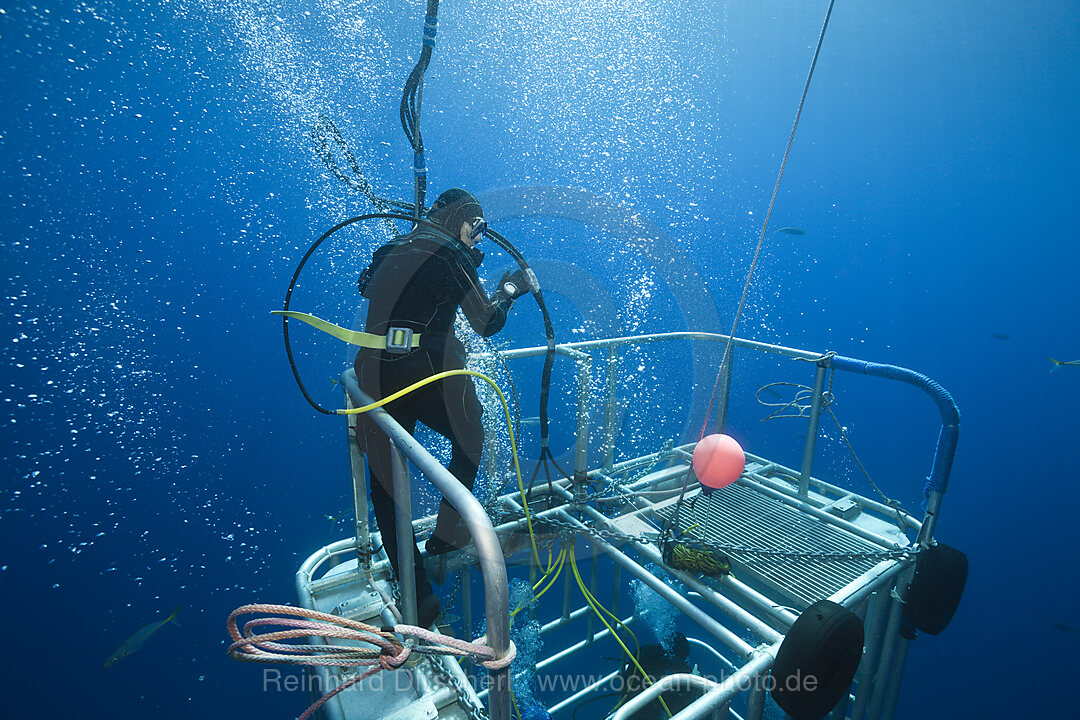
pixel 418 282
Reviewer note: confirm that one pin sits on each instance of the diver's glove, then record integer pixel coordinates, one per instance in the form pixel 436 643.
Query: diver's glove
pixel 513 285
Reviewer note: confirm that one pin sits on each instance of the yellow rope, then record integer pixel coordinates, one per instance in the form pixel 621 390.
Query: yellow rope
pixel 697 560
pixel 558 570
pixel 560 562
pixel 596 607
pixel 509 427
pixel 514 700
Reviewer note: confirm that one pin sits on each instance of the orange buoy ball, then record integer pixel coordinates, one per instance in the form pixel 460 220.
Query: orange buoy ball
pixel 718 461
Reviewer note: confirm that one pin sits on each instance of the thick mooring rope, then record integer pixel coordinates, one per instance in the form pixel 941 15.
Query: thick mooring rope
pixel 300 625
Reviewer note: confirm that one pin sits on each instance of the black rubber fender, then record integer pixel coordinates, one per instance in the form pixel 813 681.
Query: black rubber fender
pixel 934 593
pixel 817 661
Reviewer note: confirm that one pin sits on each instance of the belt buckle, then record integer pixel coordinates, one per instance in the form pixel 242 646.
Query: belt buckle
pixel 399 340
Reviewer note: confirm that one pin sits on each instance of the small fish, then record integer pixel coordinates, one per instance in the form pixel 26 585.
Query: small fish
pixel 999 336
pixel 1060 363
pixel 336 382
pixel 530 420
pixel 790 231
pixel 1065 628
pixel 136 641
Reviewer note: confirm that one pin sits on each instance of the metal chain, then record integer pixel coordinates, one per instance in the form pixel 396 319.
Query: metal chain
pixel 729 548
pixel 395 589
pixel 614 487
pixel 471 708
pixel 452 597
pixel 474 711
pixel 666 452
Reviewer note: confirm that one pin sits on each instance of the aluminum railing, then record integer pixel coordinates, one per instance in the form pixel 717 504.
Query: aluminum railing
pixel 489 551
pixel 823 362
pixel 490 560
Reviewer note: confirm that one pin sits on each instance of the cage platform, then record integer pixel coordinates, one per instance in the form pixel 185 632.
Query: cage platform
pixel 790 540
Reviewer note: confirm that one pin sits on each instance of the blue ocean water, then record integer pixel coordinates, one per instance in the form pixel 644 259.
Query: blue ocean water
pixel 160 186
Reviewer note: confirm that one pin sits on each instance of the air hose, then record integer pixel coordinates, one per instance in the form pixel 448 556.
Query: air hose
pixel 411 100
pixel 509 426
pixel 296 276
pixel 549 335
pixel 549 360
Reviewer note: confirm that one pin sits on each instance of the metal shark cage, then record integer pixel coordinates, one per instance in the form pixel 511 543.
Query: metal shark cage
pixel 793 539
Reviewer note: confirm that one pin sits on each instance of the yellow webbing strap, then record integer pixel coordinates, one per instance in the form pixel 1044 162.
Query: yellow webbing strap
pixel 353 337
pixel 363 339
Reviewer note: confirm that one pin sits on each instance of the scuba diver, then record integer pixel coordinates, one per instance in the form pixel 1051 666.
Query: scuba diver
pixel 415 285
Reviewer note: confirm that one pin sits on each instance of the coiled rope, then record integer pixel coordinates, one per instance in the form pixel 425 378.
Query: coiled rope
pixel 289 643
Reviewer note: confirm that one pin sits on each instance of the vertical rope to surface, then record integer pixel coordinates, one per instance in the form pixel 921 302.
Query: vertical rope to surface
pixel 725 364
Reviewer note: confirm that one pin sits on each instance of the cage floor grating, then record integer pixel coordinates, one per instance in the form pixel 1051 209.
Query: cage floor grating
pixel 739 515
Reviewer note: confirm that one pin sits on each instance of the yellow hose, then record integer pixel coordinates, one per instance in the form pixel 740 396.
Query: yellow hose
pixel 596 607
pixel 559 562
pixel 509 427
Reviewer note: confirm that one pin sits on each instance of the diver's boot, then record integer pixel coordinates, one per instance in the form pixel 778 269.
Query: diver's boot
pixel 437 546
pixel 450 533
